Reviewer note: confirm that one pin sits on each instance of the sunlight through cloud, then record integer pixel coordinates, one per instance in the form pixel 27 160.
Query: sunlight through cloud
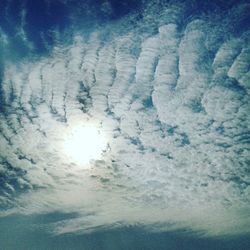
pixel 84 143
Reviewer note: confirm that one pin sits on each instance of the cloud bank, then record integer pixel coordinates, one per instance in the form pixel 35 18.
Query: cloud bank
pixel 171 93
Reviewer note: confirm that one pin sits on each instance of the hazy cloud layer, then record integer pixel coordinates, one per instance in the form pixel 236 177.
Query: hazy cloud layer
pixel 171 94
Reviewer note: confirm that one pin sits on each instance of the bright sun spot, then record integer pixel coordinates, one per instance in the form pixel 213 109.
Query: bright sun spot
pixel 85 143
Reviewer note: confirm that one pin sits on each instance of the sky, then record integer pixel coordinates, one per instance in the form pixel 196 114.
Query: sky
pixel 124 124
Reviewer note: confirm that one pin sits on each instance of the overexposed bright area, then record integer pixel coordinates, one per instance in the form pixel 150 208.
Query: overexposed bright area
pixel 84 143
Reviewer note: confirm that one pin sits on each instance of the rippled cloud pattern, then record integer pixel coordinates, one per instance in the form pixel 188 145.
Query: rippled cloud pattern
pixel 169 85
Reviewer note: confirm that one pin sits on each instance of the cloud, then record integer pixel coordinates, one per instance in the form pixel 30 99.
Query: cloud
pixel 174 103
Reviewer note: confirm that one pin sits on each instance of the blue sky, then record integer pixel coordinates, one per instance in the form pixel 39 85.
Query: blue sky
pixel 30 233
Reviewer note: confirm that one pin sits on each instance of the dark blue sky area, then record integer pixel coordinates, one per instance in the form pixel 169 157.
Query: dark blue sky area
pixel 29 233
pixel 42 18
pixel 47 22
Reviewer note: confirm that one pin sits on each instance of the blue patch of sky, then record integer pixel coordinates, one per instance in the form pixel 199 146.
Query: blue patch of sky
pixel 43 17
pixel 33 232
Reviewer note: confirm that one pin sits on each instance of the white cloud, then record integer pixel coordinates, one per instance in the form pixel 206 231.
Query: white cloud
pixel 176 119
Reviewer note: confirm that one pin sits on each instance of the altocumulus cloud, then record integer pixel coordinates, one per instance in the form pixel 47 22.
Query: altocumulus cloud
pixel 167 82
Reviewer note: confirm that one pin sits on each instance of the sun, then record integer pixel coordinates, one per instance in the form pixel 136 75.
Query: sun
pixel 85 143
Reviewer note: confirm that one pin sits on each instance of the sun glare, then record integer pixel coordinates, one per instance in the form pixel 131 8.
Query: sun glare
pixel 85 143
